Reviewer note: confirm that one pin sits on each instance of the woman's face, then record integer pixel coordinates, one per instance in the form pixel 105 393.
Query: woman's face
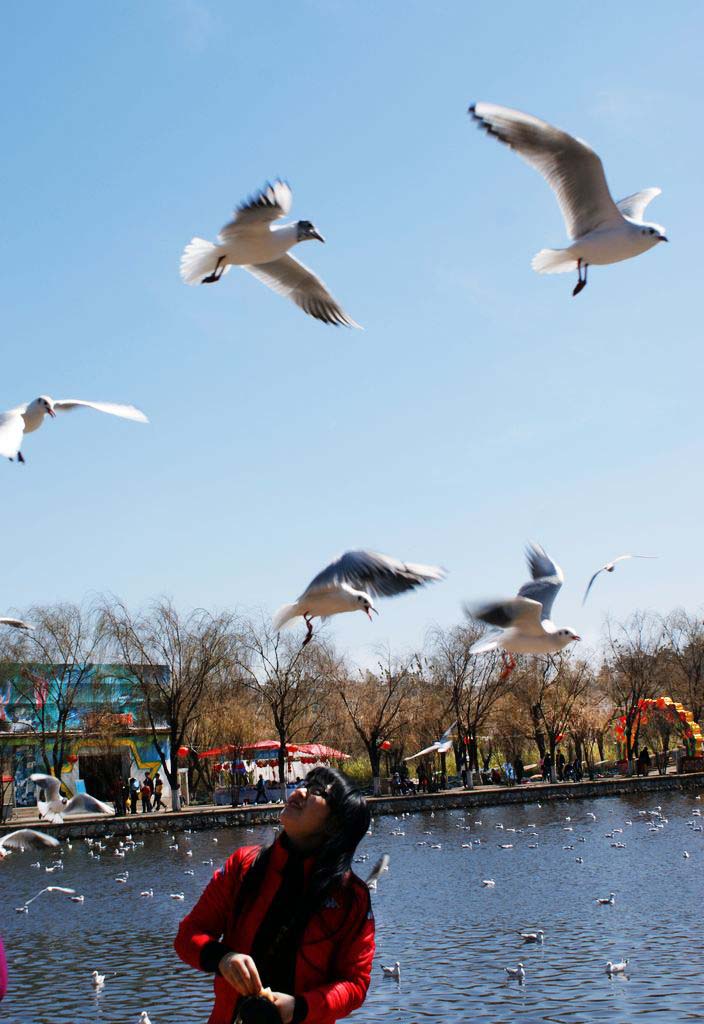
pixel 306 815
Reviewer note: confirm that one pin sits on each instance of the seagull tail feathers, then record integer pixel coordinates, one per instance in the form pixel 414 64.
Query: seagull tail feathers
pixel 198 260
pixel 284 615
pixel 553 261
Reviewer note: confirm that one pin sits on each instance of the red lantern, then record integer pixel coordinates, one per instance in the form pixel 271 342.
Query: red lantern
pixel 72 758
pixel 559 738
pixel 385 745
pixel 660 702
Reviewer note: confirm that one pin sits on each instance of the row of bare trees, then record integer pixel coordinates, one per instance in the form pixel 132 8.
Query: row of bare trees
pixel 201 680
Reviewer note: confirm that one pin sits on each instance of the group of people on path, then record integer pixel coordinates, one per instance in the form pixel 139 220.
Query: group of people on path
pixel 128 794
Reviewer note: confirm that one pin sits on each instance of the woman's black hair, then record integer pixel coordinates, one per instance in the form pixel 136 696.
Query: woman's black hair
pixel 346 826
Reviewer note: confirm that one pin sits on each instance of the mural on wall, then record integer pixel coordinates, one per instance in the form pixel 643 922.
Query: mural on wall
pixel 32 701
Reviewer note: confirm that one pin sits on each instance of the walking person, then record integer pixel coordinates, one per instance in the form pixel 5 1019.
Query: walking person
pixel 146 793
pixel 291 917
pixel 518 768
pixel 262 796
pixel 158 790
pixel 560 762
pixel 547 768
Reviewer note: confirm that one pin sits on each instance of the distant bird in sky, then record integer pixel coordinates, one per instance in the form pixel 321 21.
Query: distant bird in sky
pixel 440 746
pixel 609 567
pixel 350 582
pixel 601 230
pixel 26 839
pixel 52 806
pixel 522 623
pixel 377 871
pixel 47 888
pixel 253 241
pixel 25 419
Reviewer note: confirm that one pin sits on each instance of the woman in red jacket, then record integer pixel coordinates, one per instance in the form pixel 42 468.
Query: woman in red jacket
pixel 291 917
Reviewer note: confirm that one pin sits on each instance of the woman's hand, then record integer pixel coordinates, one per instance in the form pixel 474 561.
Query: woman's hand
pixel 285 1004
pixel 240 971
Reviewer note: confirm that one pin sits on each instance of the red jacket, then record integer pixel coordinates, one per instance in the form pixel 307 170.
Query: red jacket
pixel 334 961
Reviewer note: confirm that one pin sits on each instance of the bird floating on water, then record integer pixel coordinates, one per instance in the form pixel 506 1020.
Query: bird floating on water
pixel 98 979
pixel 606 901
pixel 350 582
pixel 536 936
pixel 601 230
pixel 253 241
pixel 516 973
pixel 617 968
pixel 392 972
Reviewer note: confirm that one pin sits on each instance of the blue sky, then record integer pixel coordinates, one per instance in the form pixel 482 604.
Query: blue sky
pixel 482 406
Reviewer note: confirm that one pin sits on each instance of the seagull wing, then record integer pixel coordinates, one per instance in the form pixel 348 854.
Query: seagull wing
pixel 11 431
pixel 379 868
pixel 521 612
pixel 25 838
pixel 433 748
pixel 259 210
pixel 126 412
pixel 377 574
pixel 294 281
pixel 634 206
pixel 610 566
pixel 571 168
pixel 48 784
pixel 82 802
pixel 547 579
pixel 17 623
pixel 589 585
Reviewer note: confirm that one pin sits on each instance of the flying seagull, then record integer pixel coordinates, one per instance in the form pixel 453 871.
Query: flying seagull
pixel 440 746
pixel 522 623
pixel 48 888
pixel 350 582
pixel 601 230
pixel 15 623
pixel 25 839
pixel 609 567
pixel 25 419
pixel 253 241
pixel 52 806
pixel 377 871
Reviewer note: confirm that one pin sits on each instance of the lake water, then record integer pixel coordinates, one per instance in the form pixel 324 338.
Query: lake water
pixel 452 936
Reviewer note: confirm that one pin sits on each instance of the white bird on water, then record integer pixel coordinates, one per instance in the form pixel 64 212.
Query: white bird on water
pixel 253 241
pixel 52 806
pixel 604 902
pixel 517 973
pixel 48 888
pixel 97 979
pixel 392 972
pixel 489 883
pixel 25 419
pixel 25 839
pixel 522 624
pixel 617 968
pixel 349 584
pixel 536 936
pixel 144 1018
pixel 609 567
pixel 601 230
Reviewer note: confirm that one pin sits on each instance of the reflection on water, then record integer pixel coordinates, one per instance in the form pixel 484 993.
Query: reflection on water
pixel 452 936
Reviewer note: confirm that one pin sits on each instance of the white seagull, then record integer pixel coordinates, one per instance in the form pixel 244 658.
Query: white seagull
pixel 609 567
pixel 536 936
pixel 392 972
pixel 377 871
pixel 440 746
pixel 47 888
pixel 604 902
pixel 522 623
pixel 253 241
pixel 25 419
pixel 15 623
pixel 25 839
pixel 618 968
pixel 97 979
pixel 52 806
pixel 601 230
pixel 350 582
pixel 518 973
pixel 144 1018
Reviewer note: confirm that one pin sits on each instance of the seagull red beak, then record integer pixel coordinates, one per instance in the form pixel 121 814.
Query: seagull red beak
pixel 576 637
pixel 52 413
pixel 369 613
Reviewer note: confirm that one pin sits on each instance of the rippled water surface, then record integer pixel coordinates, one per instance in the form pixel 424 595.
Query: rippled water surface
pixel 452 936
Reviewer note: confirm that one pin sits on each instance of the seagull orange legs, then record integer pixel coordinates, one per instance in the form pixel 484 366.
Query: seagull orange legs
pixel 509 664
pixel 309 624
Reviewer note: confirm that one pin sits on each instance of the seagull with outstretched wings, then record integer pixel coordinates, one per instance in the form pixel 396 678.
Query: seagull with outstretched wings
pixel 52 806
pixel 609 567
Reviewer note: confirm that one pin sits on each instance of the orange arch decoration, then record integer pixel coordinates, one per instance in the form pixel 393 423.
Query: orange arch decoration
pixel 673 711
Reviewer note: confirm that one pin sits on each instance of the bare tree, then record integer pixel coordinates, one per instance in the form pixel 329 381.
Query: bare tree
pixel 172 657
pixel 633 671
pixel 374 704
pixel 474 684
pixel 292 681
pixel 684 656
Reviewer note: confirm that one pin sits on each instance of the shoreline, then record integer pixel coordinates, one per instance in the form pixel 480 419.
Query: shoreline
pixel 209 816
